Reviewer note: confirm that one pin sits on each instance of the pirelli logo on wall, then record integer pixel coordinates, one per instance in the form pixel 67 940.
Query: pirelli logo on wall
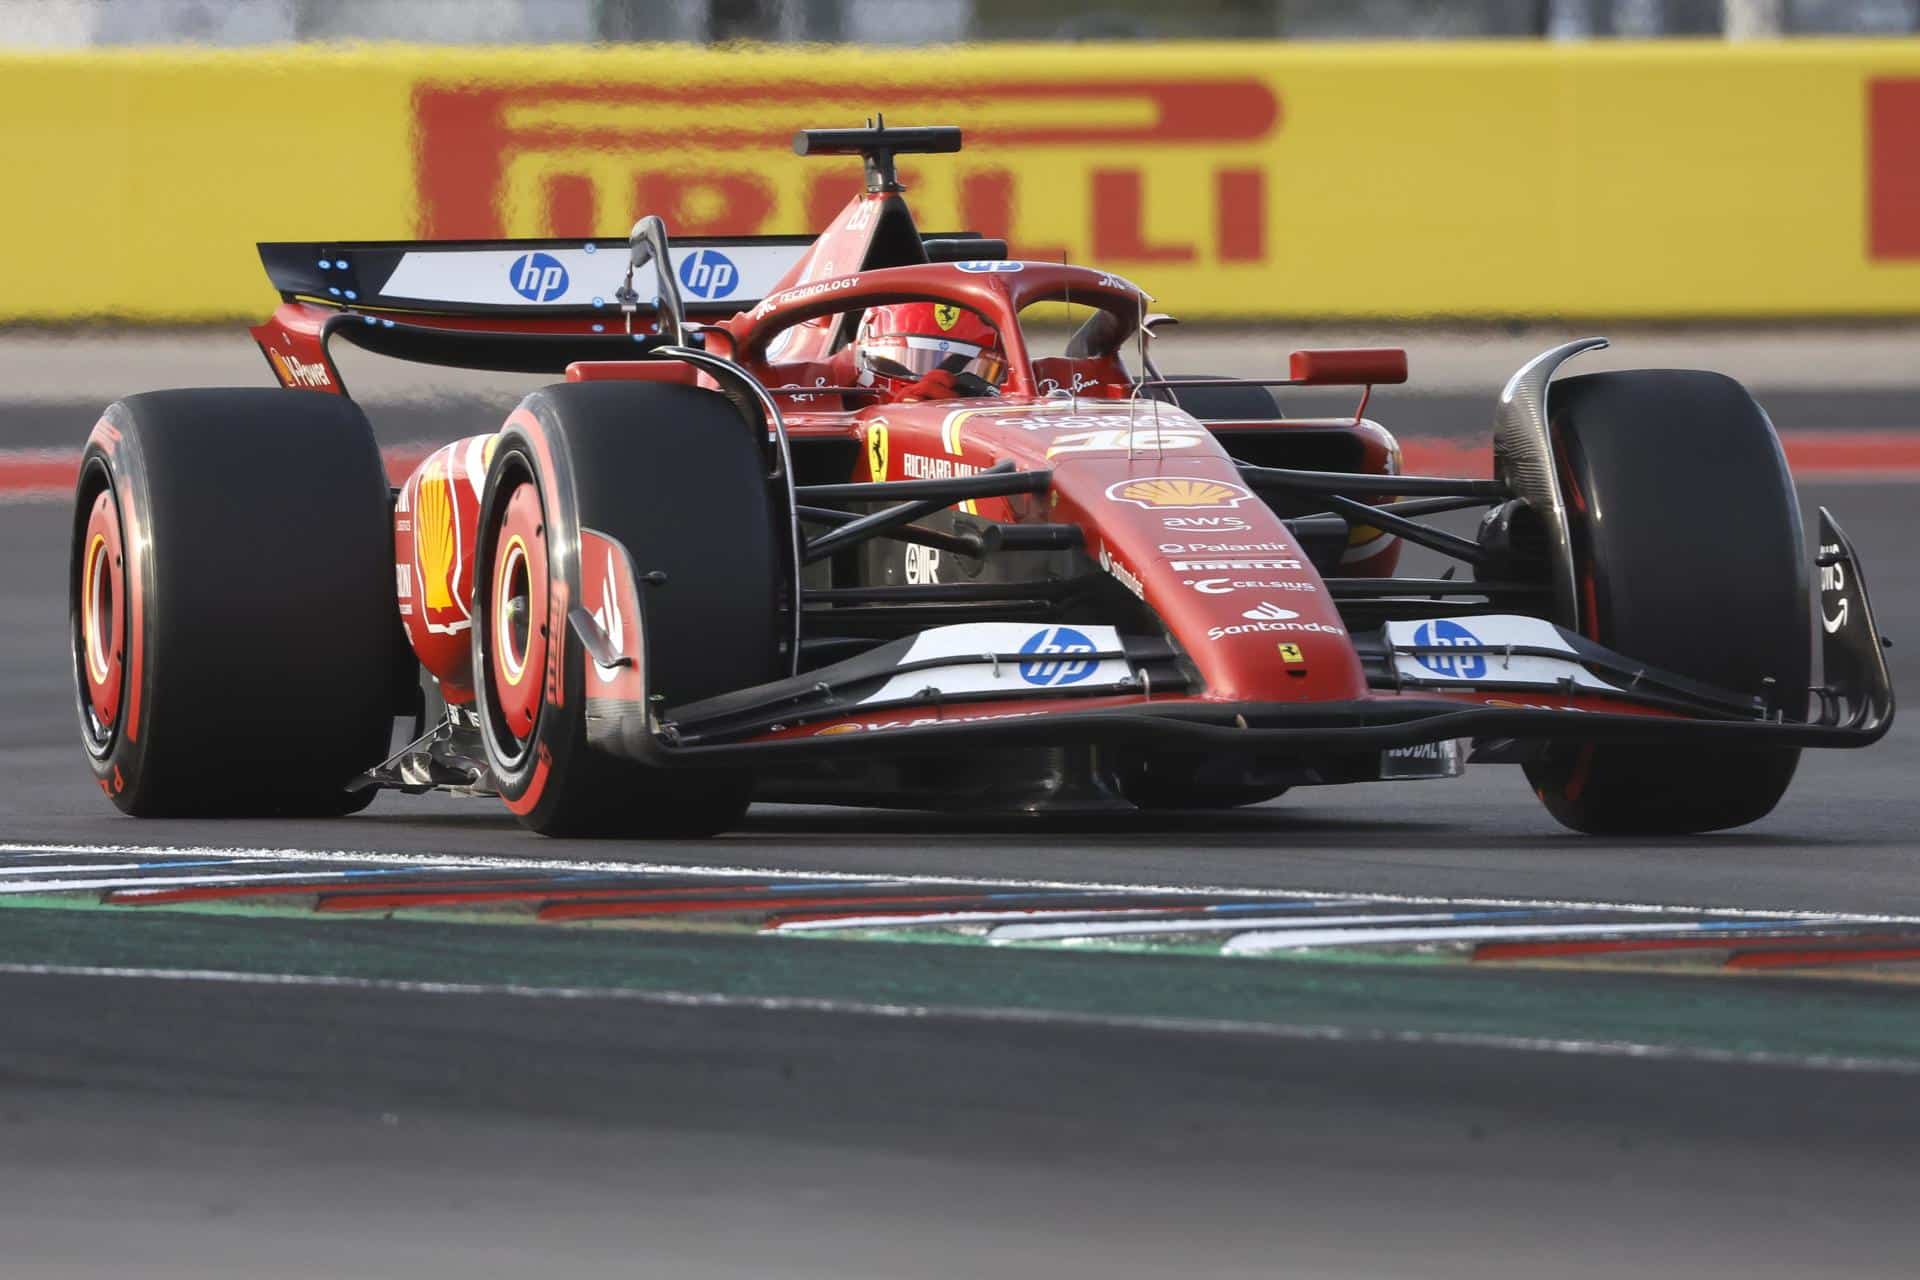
pixel 1893 168
pixel 1123 172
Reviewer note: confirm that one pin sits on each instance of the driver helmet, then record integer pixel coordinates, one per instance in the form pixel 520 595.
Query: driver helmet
pixel 903 343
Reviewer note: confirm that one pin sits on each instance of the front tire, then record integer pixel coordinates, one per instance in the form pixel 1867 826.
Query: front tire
pixel 1690 556
pixel 231 603
pixel 673 475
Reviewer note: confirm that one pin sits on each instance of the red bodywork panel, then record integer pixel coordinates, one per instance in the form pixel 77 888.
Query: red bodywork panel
pixel 1164 512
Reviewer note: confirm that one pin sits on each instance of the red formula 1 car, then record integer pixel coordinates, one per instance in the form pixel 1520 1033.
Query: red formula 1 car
pixel 817 521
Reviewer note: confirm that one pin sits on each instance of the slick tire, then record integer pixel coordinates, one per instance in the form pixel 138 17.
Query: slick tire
pixel 231 603
pixel 675 476
pixel 1689 555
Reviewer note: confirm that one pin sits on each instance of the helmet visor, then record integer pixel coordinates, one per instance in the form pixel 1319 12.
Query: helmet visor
pixel 915 357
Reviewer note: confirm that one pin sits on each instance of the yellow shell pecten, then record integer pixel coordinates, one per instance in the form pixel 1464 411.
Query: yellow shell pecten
pixel 1168 492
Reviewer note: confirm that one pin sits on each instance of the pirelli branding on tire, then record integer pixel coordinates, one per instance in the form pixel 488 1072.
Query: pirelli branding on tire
pixel 1246 180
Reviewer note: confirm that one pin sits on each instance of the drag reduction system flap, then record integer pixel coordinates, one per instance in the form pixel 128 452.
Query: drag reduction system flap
pixel 717 275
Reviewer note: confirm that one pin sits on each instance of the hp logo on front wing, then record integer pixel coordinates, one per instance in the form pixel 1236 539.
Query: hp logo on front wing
pixel 1053 663
pixel 1445 633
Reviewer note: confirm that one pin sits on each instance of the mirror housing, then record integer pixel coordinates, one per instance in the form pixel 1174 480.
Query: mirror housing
pixel 1348 366
pixel 648 244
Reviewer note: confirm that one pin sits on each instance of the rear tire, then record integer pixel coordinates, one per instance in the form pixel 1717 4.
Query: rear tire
pixel 673 475
pixel 1690 556
pixel 231 603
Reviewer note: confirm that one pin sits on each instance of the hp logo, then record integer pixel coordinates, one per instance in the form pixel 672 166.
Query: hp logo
pixel 708 273
pixel 1445 633
pixel 537 277
pixel 1053 663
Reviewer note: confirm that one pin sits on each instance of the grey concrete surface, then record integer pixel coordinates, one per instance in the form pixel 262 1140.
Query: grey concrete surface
pixel 171 1130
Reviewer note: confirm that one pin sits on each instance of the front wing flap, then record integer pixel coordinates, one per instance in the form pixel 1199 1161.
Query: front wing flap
pixel 1856 688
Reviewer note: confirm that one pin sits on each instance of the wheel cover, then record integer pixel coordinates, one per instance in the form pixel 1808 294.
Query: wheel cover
pixel 517 615
pixel 101 611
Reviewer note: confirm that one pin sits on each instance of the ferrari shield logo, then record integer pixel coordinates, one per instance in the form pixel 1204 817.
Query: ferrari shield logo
pixel 946 315
pixel 877 450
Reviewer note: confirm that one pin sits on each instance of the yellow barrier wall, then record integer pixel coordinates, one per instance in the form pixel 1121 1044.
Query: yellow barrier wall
pixel 1677 179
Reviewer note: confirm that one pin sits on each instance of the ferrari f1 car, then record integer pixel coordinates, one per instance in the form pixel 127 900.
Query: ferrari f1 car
pixel 817 521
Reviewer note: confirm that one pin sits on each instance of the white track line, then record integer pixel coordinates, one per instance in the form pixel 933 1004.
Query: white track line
pixel 176 882
pixel 93 868
pixel 493 862
pixel 978 1015
pixel 1259 942
pixel 905 920
pixel 1094 929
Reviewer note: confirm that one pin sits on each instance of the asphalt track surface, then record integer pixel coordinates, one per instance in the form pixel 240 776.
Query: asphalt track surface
pixel 173 1127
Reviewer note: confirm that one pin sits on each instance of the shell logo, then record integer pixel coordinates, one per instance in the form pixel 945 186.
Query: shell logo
pixel 444 495
pixel 434 534
pixel 834 730
pixel 1179 493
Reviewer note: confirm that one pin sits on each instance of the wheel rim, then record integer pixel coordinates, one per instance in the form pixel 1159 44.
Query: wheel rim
pixel 517 617
pixel 102 622
pixel 514 598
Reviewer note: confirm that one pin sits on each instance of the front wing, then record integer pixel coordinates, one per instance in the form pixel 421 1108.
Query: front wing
pixel 936 693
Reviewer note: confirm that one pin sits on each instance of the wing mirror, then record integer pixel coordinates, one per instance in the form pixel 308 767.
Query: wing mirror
pixel 1348 367
pixel 648 244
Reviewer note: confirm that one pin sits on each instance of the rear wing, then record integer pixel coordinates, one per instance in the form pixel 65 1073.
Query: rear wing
pixel 511 306
pixel 501 279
